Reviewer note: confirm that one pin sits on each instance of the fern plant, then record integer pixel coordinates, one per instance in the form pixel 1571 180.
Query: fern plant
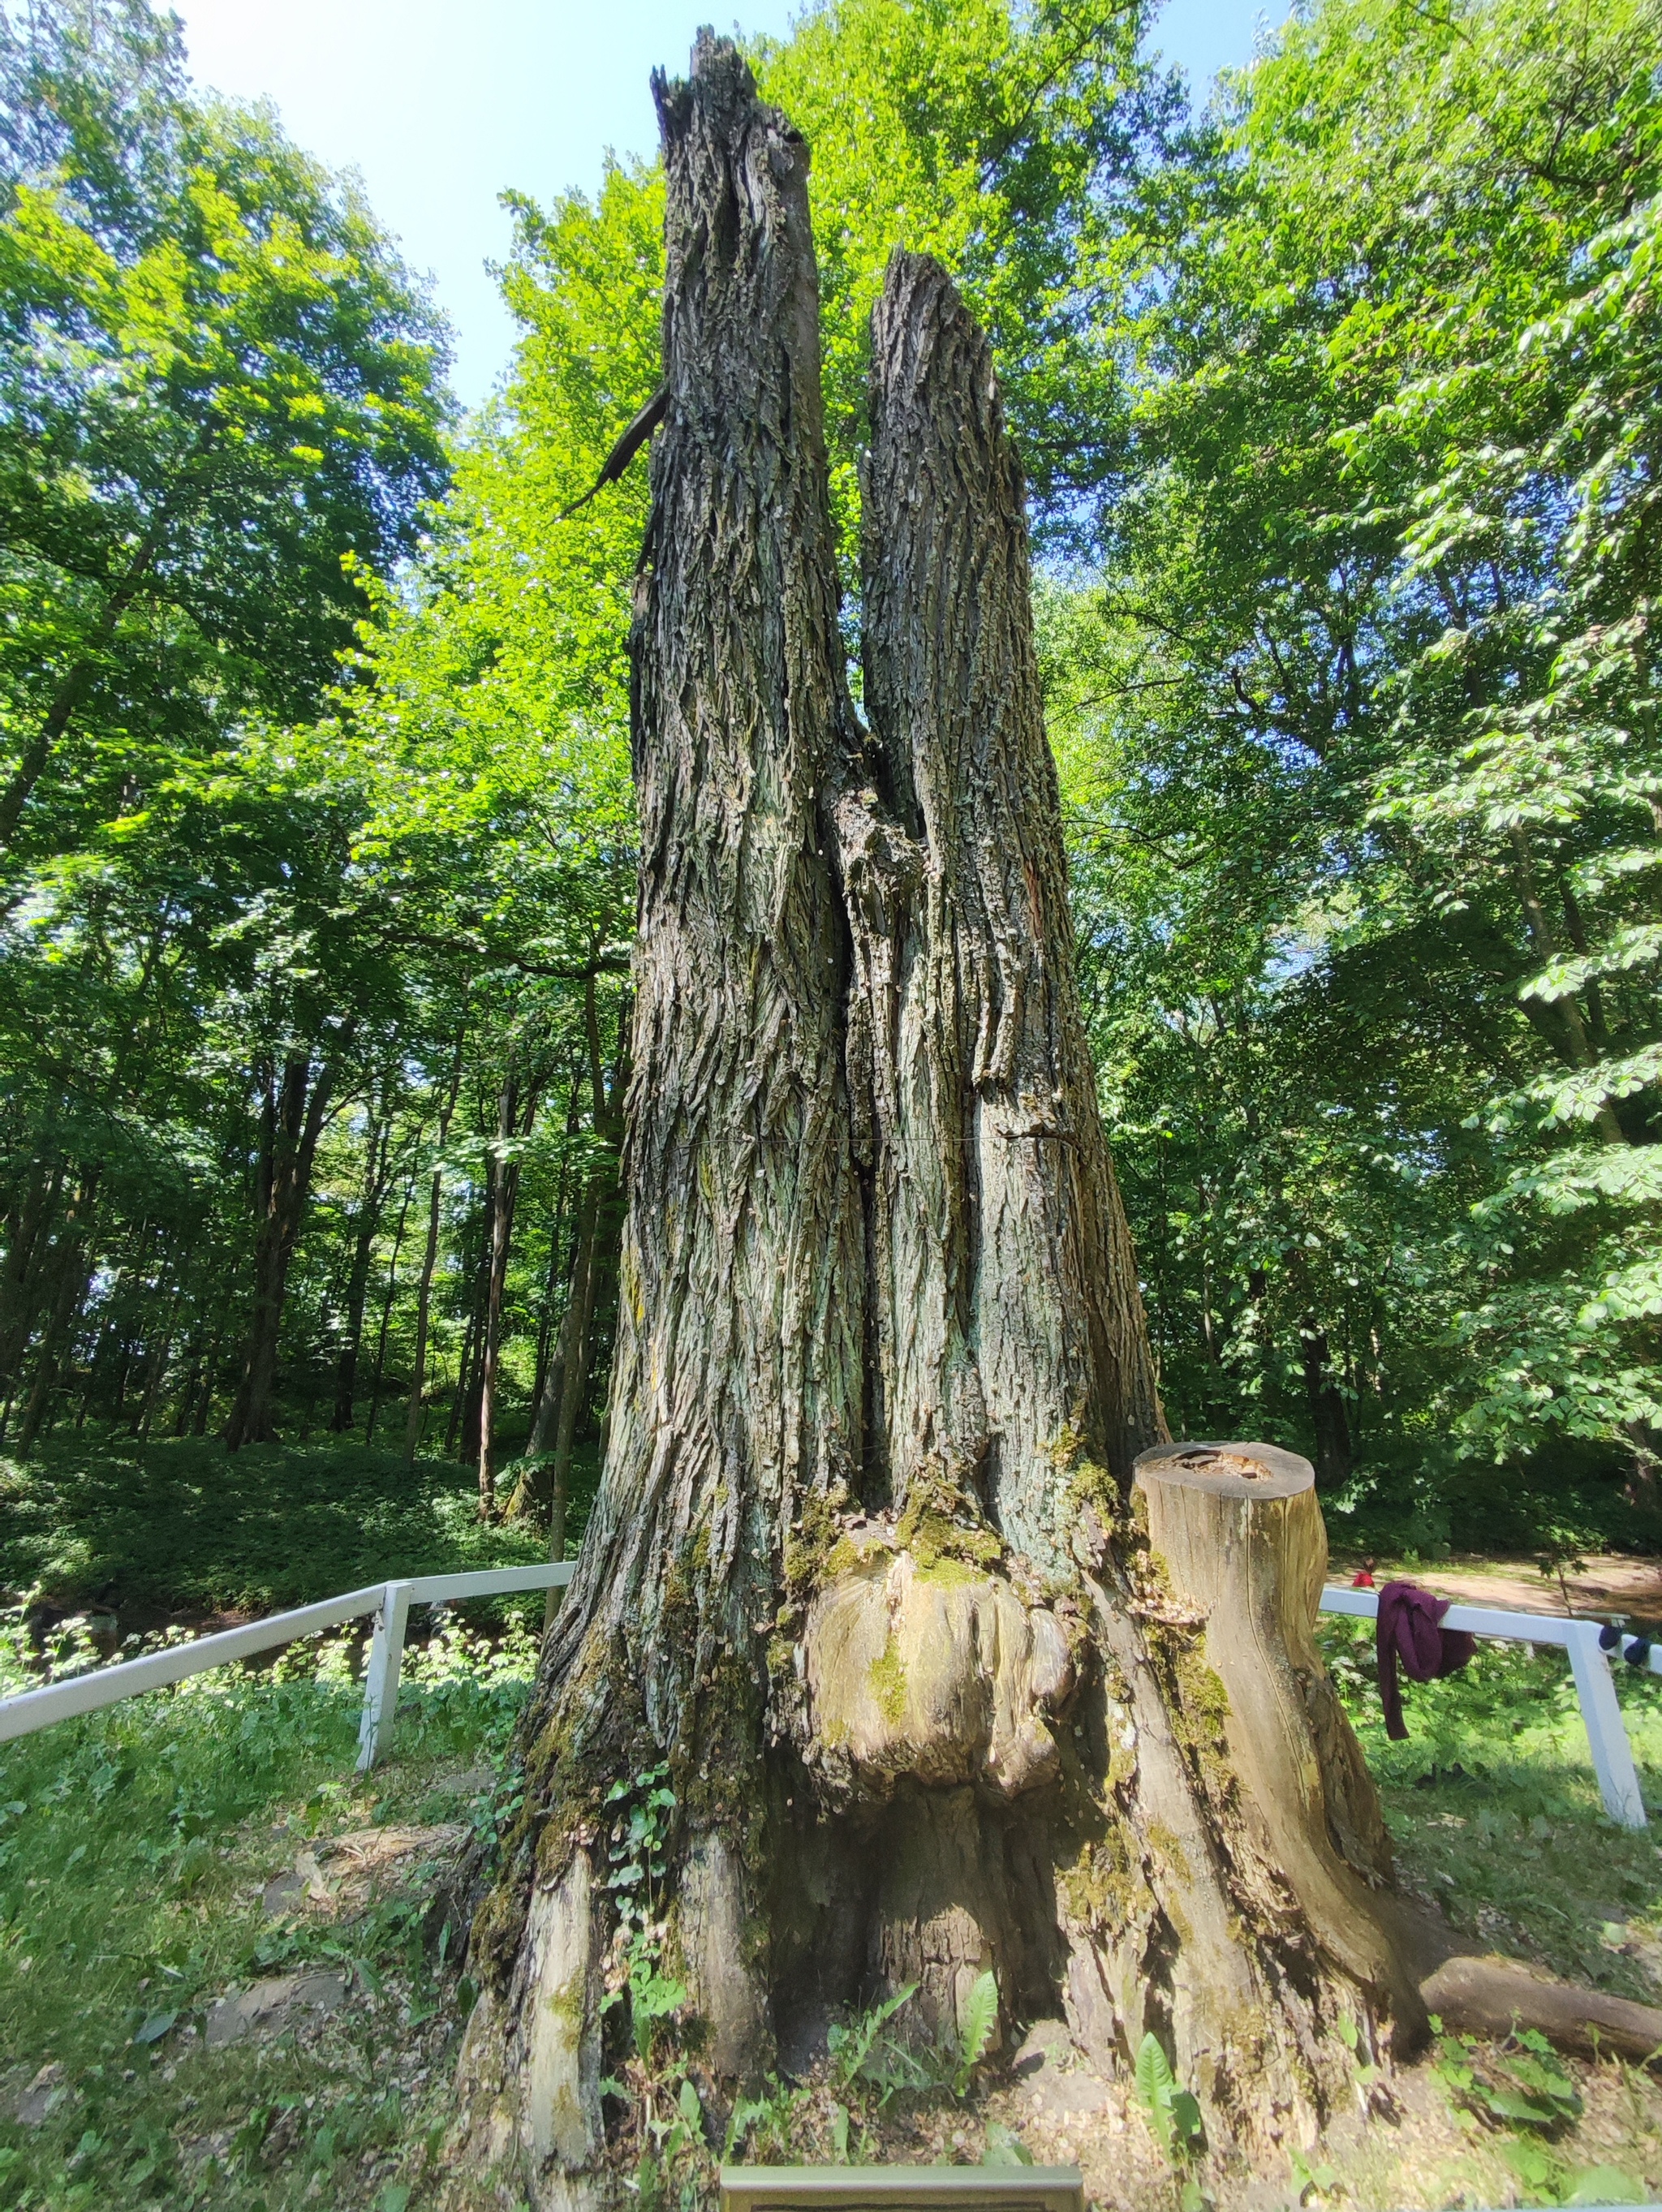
pixel 1174 2114
pixel 976 2031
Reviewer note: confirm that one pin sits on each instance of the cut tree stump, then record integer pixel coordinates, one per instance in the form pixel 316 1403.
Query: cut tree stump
pixel 1238 1534
pixel 1239 1541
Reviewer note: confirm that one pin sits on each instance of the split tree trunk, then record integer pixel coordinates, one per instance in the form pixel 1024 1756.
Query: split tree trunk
pixel 863 1569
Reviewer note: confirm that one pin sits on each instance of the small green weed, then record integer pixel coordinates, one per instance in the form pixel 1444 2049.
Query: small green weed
pixel 765 2125
pixel 892 2064
pixel 872 2065
pixel 669 2118
pixel 1521 2089
pixel 976 2031
pixel 644 1806
pixel 1315 2183
pixel 1173 2113
pixel 1004 2147
pixel 859 2048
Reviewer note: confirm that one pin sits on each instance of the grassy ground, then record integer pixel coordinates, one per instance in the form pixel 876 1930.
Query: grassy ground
pixel 137 1850
pixel 183 1528
pixel 1495 1813
pixel 138 1845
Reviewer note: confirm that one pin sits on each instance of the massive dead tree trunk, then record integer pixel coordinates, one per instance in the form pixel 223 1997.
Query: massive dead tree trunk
pixel 865 1569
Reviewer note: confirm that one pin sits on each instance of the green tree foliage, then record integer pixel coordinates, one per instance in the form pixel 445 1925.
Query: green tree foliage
pixel 313 1084
pixel 220 391
pixel 1360 732
pixel 1339 407
pixel 217 382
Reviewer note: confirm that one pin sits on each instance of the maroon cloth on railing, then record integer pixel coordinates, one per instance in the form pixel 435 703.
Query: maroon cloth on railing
pixel 1409 1630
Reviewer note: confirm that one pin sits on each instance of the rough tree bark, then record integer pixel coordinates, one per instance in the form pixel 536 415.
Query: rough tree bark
pixel 864 1569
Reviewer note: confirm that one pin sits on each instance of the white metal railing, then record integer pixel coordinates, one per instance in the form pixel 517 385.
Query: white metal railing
pixel 390 1603
pixel 1607 1735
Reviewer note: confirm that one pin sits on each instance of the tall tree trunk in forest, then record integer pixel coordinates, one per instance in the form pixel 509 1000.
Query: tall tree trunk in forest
pixel 516 1113
pixel 187 1399
pixel 28 1228
pixel 565 1387
pixel 205 1404
pixel 547 1329
pixel 430 1259
pixel 294 1107
pixel 863 1570
pixel 463 1424
pixel 158 1354
pixel 377 1140
pixel 67 1278
pixel 546 1421
pixel 576 1339
pixel 498 1217
pixel 1329 1422
pixel 387 1297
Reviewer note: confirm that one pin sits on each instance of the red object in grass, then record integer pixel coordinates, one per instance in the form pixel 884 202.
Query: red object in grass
pixel 1363 1581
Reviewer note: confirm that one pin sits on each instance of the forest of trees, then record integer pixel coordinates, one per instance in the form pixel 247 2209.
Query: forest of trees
pixel 1340 405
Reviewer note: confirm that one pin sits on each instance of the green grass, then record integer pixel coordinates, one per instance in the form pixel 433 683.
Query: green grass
pixel 186 1527
pixel 1494 1809
pixel 133 1844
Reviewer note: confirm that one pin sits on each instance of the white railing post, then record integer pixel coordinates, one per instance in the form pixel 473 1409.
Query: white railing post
pixel 1607 1733
pixel 381 1678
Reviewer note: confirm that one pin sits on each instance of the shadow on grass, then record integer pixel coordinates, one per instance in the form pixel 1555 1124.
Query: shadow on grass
pixel 182 1526
pixel 1494 1811
pixel 135 1849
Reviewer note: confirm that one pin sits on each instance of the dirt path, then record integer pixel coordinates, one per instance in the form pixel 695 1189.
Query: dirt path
pixel 1613 1582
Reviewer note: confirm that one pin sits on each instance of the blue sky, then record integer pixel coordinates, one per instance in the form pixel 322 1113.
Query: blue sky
pixel 441 106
